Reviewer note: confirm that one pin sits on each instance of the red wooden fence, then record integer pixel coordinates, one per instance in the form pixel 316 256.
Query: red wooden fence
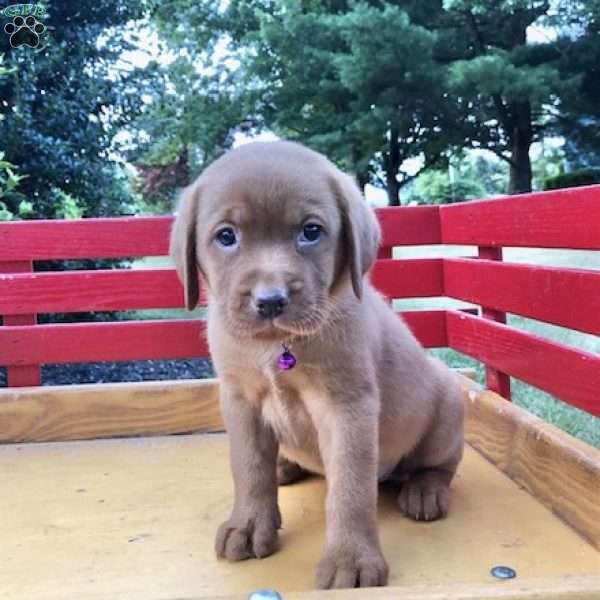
pixel 566 297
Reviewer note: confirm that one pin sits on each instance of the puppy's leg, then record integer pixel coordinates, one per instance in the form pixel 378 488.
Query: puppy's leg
pixel 251 530
pixel 348 440
pixel 289 472
pixel 426 494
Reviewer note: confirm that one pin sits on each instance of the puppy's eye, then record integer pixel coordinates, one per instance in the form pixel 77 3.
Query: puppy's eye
pixel 310 234
pixel 226 237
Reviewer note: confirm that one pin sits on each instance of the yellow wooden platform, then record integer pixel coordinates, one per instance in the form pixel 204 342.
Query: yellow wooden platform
pixel 135 519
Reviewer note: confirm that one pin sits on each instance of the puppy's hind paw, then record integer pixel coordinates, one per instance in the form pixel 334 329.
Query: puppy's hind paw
pixel 256 538
pixel 289 472
pixel 425 496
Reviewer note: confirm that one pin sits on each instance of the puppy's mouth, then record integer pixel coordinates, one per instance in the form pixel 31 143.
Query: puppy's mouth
pixel 246 323
pixel 283 327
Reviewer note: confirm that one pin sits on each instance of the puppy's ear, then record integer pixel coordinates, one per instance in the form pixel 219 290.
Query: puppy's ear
pixel 360 229
pixel 183 244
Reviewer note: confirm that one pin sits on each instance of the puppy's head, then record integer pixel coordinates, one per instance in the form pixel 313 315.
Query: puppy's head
pixel 277 232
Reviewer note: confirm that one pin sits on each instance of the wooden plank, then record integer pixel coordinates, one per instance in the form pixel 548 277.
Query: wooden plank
pixel 136 519
pixel 561 471
pixel 19 375
pixel 137 340
pixel 584 587
pixel 131 289
pixel 148 236
pixel 84 342
pixel 85 238
pixel 385 252
pixel 568 218
pixel 78 412
pixel 76 291
pixel 89 411
pixel 495 380
pixel 570 374
pixel 409 278
pixel 428 326
pixel 567 297
pixel 409 225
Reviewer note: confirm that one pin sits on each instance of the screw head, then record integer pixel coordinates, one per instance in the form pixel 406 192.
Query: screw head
pixel 503 572
pixel 265 595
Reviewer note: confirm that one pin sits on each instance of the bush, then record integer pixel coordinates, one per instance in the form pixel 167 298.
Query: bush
pixel 573 179
pixel 435 187
pixel 9 195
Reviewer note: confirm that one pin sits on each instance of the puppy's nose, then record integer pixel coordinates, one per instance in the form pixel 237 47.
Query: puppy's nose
pixel 271 305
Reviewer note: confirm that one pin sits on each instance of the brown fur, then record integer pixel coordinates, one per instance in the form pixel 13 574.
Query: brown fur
pixel 364 403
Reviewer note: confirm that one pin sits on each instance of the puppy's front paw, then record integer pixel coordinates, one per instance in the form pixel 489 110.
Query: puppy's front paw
pixel 425 496
pixel 349 568
pixel 254 537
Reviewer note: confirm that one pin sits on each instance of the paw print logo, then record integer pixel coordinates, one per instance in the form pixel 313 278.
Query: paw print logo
pixel 25 32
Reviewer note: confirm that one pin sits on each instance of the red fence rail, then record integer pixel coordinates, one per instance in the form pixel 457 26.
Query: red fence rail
pixel 565 297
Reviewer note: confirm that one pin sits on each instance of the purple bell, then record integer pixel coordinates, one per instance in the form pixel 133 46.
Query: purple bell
pixel 286 360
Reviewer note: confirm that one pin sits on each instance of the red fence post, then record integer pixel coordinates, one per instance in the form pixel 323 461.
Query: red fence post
pixel 21 375
pixel 494 380
pixel 386 252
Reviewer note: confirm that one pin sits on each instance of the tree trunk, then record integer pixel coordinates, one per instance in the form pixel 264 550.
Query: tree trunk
pixel 362 179
pixel 393 190
pixel 520 141
pixel 392 164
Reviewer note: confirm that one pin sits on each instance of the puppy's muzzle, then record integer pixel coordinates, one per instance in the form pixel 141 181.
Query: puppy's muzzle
pixel 271 304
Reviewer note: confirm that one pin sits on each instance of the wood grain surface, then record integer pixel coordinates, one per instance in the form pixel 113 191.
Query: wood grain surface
pixel 136 519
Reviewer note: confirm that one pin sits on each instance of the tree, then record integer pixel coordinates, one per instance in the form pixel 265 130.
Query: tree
pixel 9 178
pixel 397 100
pixel 370 102
pixel 189 120
pixel 374 84
pixel 62 106
pixel 513 86
pixel 579 117
pixel 313 71
pixel 196 104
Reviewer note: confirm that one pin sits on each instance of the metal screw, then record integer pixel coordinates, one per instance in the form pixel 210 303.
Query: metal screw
pixel 503 572
pixel 265 595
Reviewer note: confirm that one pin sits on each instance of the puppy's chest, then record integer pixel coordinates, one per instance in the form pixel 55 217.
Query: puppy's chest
pixel 286 408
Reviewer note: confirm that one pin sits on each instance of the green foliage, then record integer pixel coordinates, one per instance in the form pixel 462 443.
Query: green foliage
pixel 370 84
pixel 313 72
pixel 189 116
pixel 463 180
pixel 62 106
pixel 68 206
pixel 490 173
pixel 495 74
pixel 573 179
pixel 578 118
pixel 9 195
pixel 468 177
pixel 513 85
pixel 374 84
pixel 548 163
pixel 438 187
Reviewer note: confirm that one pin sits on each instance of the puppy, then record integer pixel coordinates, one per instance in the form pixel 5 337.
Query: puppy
pixel 283 241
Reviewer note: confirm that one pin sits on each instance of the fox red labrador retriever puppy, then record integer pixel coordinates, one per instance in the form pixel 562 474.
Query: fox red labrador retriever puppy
pixel 317 373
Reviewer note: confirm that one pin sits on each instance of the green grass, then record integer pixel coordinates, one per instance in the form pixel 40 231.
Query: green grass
pixel 560 414
pixel 568 418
